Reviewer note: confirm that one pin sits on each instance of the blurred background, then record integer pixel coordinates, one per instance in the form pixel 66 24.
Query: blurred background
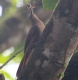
pixel 14 26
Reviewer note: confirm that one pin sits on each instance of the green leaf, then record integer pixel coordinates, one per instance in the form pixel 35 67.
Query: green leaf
pixel 13 2
pixel 3 59
pixel 49 4
pixel 7 75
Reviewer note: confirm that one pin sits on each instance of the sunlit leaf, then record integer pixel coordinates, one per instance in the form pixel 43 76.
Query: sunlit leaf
pixel 3 58
pixel 7 75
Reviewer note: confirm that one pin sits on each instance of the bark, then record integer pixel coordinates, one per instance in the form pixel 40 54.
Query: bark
pixel 56 45
pixel 71 72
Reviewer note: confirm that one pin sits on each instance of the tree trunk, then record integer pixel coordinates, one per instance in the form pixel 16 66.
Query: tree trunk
pixel 71 72
pixel 56 46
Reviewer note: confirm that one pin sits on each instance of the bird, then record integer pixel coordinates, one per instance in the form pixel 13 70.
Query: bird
pixel 37 27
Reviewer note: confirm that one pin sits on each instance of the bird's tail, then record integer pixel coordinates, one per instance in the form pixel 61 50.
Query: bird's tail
pixel 21 66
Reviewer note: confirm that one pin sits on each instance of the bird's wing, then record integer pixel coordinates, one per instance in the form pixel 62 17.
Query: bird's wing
pixel 29 38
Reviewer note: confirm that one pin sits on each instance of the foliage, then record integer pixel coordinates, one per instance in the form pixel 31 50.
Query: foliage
pixel 49 4
pixel 17 59
pixel 6 75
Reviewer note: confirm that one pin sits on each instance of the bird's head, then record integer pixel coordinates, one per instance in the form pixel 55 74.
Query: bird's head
pixel 32 17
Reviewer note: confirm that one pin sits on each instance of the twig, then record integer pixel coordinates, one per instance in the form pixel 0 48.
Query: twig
pixel 11 58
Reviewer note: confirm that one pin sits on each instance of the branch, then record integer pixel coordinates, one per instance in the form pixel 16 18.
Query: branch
pixel 11 58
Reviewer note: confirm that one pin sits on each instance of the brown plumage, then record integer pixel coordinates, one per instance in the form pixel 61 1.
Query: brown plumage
pixel 32 38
